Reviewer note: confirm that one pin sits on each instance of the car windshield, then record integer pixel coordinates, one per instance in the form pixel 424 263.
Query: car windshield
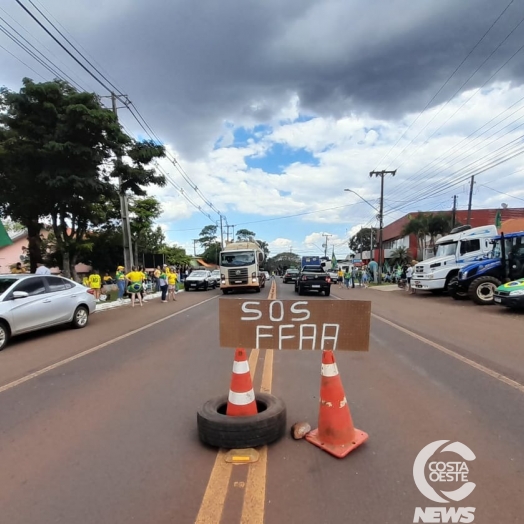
pixel 198 274
pixel 6 283
pixel 237 259
pixel 447 249
pixel 216 272
pixel 292 271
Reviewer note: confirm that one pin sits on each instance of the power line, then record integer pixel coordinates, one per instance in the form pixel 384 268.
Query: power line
pixel 502 192
pixel 22 62
pixel 446 82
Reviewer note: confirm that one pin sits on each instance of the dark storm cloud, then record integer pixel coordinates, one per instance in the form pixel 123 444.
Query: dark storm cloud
pixel 189 65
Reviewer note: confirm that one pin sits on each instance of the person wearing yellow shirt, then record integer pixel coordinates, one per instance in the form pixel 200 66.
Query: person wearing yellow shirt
pixel 135 279
pixel 340 277
pixel 120 276
pixel 172 278
pixel 95 283
pixel 18 269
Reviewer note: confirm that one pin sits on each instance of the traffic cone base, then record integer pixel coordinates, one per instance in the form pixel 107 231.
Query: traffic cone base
pixel 336 433
pixel 337 450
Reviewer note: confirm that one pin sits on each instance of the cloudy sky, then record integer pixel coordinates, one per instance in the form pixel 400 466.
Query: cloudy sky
pixel 272 108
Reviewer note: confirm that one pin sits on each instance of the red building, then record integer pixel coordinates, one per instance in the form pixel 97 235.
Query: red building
pixel 393 238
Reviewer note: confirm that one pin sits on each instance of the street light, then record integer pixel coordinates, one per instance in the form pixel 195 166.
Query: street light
pixel 363 199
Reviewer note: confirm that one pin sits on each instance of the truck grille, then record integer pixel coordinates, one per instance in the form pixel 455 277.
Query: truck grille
pixel 238 276
pixel 419 269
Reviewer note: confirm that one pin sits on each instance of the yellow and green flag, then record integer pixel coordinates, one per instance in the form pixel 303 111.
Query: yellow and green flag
pixel 498 220
pixel 5 240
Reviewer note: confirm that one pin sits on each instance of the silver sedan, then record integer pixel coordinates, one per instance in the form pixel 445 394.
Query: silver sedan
pixel 32 302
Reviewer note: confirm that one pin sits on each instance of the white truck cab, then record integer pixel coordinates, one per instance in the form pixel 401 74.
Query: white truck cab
pixel 464 245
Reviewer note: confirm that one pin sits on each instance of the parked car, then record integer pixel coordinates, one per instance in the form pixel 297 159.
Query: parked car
pixel 200 279
pixel 215 275
pixel 511 294
pixel 333 275
pixel 290 275
pixel 32 302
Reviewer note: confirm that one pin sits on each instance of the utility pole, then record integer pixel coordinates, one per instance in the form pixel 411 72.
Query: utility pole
pixel 326 236
pixel 221 233
pixel 472 183
pixel 454 212
pixel 124 208
pixel 195 240
pixel 381 174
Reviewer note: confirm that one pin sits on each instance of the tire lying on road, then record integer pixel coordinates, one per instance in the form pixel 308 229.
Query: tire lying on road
pixel 216 429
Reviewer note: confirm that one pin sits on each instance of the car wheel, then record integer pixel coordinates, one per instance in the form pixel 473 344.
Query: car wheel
pixel 216 429
pixel 205 286
pixel 300 291
pixel 327 292
pixel 186 288
pixel 4 335
pixel 80 317
pixel 257 289
pixel 454 291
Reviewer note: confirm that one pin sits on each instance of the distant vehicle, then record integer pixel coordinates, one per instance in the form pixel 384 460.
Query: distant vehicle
pixel 264 277
pixel 313 278
pixel 310 261
pixel 290 275
pixel 215 275
pixel 199 279
pixel 462 246
pixel 511 294
pixel 240 266
pixel 32 302
pixel 333 275
pixel 479 280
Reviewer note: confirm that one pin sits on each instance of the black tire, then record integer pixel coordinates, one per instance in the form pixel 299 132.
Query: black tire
pixel 225 291
pixel 257 289
pixel 216 429
pixel 454 292
pixel 482 289
pixel 80 317
pixel 327 292
pixel 300 291
pixel 186 288
pixel 5 334
pixel 206 285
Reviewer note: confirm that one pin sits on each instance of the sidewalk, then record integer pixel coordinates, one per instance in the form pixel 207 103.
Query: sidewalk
pixel 103 306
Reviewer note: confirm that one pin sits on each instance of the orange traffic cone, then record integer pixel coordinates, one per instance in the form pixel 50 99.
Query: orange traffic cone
pixel 241 401
pixel 336 433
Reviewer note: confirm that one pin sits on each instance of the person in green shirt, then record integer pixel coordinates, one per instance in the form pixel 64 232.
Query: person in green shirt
pixel 120 276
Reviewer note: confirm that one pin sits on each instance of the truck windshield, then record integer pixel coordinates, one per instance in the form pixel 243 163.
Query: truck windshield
pixel 237 258
pixel 447 249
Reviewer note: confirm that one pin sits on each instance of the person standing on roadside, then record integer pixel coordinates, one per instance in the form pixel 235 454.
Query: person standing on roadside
pixel 135 279
pixel 95 283
pixel 365 277
pixel 340 277
pixel 41 269
pixel 162 282
pixel 156 276
pixel 120 276
pixel 172 278
pixel 347 277
pixel 409 274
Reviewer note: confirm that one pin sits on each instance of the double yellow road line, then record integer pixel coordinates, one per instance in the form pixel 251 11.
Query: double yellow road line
pixel 222 481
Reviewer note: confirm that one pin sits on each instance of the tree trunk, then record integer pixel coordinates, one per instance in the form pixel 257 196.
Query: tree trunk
pixel 66 264
pixel 34 243
pixel 72 268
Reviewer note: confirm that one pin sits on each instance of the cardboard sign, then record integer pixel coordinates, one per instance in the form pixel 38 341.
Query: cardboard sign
pixel 295 324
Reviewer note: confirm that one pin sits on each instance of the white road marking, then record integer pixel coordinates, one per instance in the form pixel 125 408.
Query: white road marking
pixel 96 348
pixel 479 367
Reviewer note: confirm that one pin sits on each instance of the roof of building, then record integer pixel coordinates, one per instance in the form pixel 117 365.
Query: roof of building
pixel 479 217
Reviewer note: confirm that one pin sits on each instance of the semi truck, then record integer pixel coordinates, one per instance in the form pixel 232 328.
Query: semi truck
pixel 462 246
pixel 240 266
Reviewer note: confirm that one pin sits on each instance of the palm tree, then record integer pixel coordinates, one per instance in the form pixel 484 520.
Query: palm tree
pixel 400 256
pixel 425 225
pixel 418 226
pixel 438 225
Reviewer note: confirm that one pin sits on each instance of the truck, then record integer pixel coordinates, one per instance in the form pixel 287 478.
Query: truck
pixel 310 261
pixel 240 266
pixel 480 280
pixel 313 278
pixel 462 246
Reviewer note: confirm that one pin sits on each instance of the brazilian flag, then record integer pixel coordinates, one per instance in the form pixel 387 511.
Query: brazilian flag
pixel 4 237
pixel 334 262
pixel 498 220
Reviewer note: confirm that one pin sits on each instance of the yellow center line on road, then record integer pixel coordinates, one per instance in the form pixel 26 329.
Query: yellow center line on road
pixel 498 376
pixel 216 492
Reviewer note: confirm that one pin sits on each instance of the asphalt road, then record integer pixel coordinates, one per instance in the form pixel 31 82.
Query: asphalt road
pixel 110 436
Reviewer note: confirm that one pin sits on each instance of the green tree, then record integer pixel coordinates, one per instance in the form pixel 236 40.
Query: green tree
pixel 212 253
pixel 243 235
pixel 283 261
pixel 361 241
pixel 176 256
pixel 399 256
pixel 57 148
pixel 208 236
pixel 265 247
pixel 143 211
pixel 427 227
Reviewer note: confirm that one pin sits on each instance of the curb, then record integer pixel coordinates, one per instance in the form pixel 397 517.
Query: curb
pixel 115 304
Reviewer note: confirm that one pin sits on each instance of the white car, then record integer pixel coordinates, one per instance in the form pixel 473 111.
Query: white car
pixel 215 275
pixel 333 275
pixel 32 302
pixel 200 279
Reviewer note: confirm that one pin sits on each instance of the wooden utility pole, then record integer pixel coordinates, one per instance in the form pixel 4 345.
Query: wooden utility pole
pixel 472 183
pixel 124 209
pixel 326 236
pixel 221 233
pixel 195 240
pixel 454 212
pixel 381 174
